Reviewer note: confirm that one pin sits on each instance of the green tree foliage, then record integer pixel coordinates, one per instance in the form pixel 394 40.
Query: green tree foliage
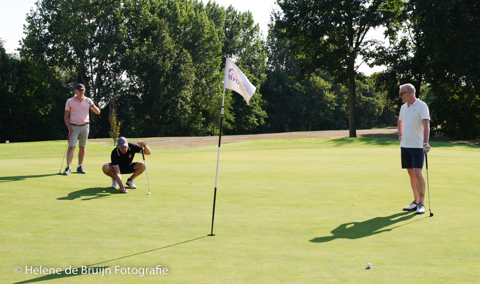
pixel 407 55
pixel 164 71
pixel 31 95
pixel 314 103
pixel 435 44
pixel 389 91
pixel 161 60
pixel 244 45
pixel 331 34
pixel 8 83
pixel 370 104
pixel 455 110
pixel 454 72
pixel 85 39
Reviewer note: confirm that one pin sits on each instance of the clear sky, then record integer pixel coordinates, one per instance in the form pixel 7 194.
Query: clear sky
pixel 12 19
pixel 13 14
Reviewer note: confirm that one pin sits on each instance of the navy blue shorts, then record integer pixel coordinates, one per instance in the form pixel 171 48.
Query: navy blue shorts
pixel 128 169
pixel 412 158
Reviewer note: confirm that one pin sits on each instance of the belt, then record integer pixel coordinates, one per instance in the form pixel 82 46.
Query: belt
pixel 80 124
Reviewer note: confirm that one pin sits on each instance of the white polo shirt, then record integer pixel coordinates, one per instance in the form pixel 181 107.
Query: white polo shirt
pixel 412 117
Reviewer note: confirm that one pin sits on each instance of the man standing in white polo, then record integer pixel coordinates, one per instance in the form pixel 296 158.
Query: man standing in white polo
pixel 77 120
pixel 414 133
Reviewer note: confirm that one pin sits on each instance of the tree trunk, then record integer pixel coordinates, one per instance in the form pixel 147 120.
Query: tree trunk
pixel 351 100
pixel 417 86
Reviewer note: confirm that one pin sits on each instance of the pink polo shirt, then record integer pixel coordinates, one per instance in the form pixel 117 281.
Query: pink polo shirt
pixel 78 110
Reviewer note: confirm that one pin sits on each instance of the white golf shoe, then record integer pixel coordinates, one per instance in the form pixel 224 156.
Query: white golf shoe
pixel 420 208
pixel 411 207
pixel 131 184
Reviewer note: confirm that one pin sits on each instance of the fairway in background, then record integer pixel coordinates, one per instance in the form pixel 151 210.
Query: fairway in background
pixel 288 211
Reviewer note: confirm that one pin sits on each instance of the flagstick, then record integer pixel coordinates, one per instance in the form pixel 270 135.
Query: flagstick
pixel 218 160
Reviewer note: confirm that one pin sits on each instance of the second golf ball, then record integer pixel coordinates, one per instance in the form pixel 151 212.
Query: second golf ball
pixel 369 265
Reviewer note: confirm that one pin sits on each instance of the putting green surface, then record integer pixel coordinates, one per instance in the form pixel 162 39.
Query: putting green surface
pixel 287 211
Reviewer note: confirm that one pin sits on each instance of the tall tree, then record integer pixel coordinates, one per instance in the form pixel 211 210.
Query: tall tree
pixel 8 83
pixel 159 61
pixel 314 103
pixel 436 43
pixel 408 55
pixel 330 35
pixel 30 92
pixel 163 70
pixel 217 14
pixel 370 104
pixel 453 30
pixel 84 38
pixel 200 38
pixel 244 44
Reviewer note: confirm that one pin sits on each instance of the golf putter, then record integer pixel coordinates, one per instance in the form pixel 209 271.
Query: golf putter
pixel 69 134
pixel 146 171
pixel 428 187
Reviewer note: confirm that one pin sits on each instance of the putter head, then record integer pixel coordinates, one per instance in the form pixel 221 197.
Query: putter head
pixel 431 214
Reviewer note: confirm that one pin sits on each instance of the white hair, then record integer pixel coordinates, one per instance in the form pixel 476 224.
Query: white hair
pixel 408 88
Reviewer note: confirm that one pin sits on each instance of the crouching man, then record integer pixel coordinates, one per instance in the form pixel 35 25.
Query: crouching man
pixel 122 157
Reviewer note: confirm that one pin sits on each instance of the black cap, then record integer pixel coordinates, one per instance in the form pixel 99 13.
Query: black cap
pixel 80 87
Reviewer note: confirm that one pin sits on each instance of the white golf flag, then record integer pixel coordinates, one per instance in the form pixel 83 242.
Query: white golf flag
pixel 237 81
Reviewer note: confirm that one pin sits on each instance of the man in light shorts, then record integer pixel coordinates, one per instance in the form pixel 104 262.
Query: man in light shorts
pixel 77 120
pixel 414 133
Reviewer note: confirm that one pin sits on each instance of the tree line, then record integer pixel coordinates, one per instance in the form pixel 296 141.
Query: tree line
pixel 158 66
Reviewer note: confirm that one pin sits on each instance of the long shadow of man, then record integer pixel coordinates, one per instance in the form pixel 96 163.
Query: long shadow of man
pixel 20 178
pixel 357 230
pixel 90 193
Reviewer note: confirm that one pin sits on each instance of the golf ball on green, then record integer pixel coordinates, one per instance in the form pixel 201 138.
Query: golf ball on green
pixel 369 265
pixel 148 193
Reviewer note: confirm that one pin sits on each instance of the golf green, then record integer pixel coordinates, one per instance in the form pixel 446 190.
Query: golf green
pixel 287 211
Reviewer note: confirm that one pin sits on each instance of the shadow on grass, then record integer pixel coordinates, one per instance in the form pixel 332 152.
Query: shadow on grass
pixel 90 193
pixel 366 141
pixel 357 230
pixel 96 268
pixel 147 251
pixel 19 178
pixel 380 140
pixel 381 135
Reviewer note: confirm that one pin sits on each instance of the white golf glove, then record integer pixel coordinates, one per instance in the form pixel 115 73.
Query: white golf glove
pixel 90 102
pixel 426 148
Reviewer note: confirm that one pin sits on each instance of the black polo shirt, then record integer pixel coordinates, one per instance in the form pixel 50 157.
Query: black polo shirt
pixel 124 160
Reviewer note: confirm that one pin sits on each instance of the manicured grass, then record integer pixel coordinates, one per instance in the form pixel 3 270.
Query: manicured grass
pixel 288 211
